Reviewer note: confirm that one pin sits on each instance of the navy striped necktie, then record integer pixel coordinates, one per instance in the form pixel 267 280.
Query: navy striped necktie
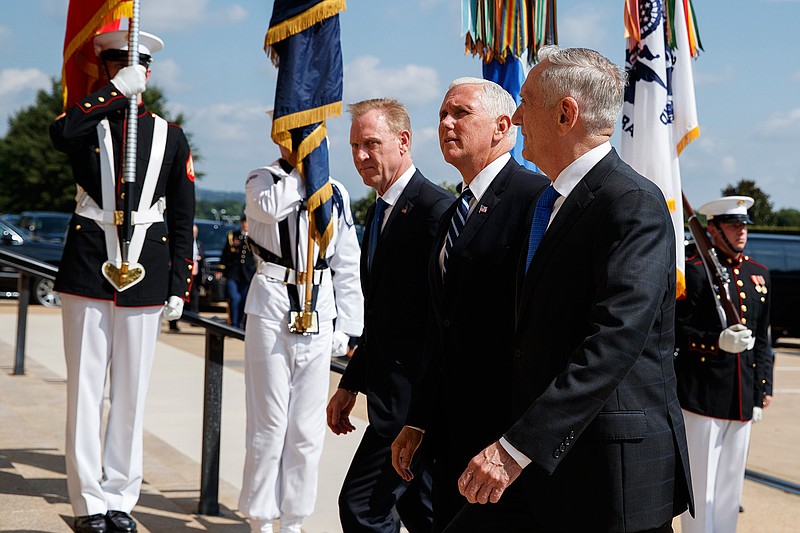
pixel 375 229
pixel 457 223
pixel 541 218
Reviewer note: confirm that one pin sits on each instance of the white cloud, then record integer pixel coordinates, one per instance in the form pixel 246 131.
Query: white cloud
pixel 168 75
pixel 702 78
pixel 412 84
pixel 14 81
pixel 781 125
pixel 173 15
pixel 236 13
pixel 729 163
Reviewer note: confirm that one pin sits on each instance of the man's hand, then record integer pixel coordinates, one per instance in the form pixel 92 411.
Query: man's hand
pixel 338 411
pixel 403 449
pixel 736 339
pixel 488 475
pixel 174 308
pixel 131 80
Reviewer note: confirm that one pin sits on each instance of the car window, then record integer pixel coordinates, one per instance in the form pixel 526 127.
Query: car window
pixel 771 254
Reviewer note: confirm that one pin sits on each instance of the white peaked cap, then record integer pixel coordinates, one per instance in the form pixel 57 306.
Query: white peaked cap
pixel 118 40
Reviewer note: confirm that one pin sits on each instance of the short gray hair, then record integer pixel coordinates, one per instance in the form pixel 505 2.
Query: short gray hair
pixel 594 82
pixel 495 100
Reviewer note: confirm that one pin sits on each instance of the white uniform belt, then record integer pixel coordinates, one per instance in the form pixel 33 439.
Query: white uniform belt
pixel 288 276
pixel 87 207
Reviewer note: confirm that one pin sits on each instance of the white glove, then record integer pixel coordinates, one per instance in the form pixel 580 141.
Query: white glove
pixel 758 414
pixel 131 80
pixel 339 343
pixel 736 339
pixel 174 308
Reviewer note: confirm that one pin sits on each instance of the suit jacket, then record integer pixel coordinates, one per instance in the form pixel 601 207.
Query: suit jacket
pixel 390 355
pixel 712 382
pixel 464 402
pixel 593 383
pixel 167 252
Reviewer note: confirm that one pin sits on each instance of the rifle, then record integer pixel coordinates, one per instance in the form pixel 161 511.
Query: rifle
pixel 717 275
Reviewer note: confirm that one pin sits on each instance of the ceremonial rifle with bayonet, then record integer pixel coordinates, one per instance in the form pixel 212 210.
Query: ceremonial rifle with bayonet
pixel 717 275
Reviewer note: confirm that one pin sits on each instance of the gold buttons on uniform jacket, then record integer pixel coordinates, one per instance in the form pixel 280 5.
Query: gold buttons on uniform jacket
pixel 97 150
pixel 77 227
pixel 740 283
pixel 186 293
pixel 187 266
pixel 744 321
pixel 87 104
pixel 113 93
pixel 163 239
pixel 188 280
pixel 736 271
pixel 101 99
pixel 744 308
pixel 743 296
pixel 702 359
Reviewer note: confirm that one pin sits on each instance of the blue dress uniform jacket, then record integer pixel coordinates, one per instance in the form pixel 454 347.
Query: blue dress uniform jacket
pixel 167 252
pixel 712 382
pixel 593 381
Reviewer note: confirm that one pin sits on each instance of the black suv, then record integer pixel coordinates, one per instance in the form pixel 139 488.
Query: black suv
pixel 781 255
pixel 48 225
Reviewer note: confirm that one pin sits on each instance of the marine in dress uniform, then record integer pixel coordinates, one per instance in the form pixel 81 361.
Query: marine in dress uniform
pixel 238 267
pixel 110 330
pixel 724 374
pixel 286 373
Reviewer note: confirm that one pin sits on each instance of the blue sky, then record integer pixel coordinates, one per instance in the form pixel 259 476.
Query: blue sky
pixel 213 70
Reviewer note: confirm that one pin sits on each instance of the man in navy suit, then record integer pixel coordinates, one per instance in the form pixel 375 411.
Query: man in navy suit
pixel 472 273
pixel 597 442
pixel 390 357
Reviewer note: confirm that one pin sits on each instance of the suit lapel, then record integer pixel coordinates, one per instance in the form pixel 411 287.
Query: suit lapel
pixel 395 223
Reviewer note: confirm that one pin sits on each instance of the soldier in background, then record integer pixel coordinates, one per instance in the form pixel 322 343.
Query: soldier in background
pixel 724 374
pixel 237 266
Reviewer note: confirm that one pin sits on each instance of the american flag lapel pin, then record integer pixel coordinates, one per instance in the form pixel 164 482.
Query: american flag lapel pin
pixel 483 209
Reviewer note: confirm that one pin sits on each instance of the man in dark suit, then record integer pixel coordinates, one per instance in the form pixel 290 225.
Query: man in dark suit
pixel 598 440
pixel 472 275
pixel 389 358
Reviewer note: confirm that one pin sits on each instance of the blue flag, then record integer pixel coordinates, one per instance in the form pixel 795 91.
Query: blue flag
pixel 509 75
pixel 304 42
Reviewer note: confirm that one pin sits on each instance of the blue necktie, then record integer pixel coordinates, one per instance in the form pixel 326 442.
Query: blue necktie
pixel 457 223
pixel 375 229
pixel 541 217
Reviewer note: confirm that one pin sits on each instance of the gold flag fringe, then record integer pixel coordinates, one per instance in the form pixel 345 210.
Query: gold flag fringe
pixel 298 23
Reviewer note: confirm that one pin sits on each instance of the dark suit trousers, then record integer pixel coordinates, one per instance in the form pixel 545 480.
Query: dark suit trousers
pixel 373 495
pixel 513 514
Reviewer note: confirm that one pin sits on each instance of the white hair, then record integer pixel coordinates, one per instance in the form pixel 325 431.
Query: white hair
pixel 495 100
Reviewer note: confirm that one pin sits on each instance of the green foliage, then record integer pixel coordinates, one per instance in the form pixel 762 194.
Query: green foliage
pixel 787 217
pixel 33 174
pixel 227 210
pixel 761 213
pixel 360 207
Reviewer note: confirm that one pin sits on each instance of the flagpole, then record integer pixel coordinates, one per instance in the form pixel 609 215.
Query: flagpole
pixel 307 311
pixel 129 161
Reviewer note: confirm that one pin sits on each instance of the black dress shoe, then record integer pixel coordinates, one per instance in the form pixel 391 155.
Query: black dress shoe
pixel 119 522
pixel 95 523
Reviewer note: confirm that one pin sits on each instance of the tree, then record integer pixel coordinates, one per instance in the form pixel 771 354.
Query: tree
pixel 787 217
pixel 761 213
pixel 34 175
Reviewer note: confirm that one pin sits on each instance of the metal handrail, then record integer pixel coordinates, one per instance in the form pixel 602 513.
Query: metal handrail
pixel 214 356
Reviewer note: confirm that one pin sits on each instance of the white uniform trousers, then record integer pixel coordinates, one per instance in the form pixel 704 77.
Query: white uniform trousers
pixel 99 339
pixel 717 459
pixel 286 389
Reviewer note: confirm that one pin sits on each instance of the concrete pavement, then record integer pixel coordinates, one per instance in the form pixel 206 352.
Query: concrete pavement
pixel 33 495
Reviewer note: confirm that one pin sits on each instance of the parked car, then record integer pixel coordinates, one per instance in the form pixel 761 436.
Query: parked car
pixel 20 241
pixel 212 236
pixel 50 225
pixel 780 253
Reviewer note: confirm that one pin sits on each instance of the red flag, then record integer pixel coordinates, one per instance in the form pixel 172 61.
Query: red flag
pixel 85 19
